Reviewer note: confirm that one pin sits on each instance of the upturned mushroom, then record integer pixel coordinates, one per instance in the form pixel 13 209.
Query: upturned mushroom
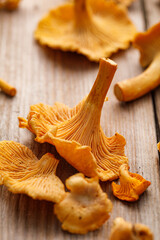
pixel 76 133
pixel 148 44
pixel 22 172
pixel 9 4
pixel 93 28
pixel 132 185
pixel 123 230
pixel 85 208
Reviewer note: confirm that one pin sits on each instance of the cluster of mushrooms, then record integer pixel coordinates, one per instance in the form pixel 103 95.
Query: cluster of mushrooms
pixel 91 28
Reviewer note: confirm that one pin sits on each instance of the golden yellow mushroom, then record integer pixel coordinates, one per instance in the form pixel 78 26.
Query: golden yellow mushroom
pixel 158 146
pixel 90 27
pixel 85 208
pixel 123 230
pixel 7 88
pixel 9 4
pixel 131 186
pixel 77 134
pixel 22 172
pixel 148 44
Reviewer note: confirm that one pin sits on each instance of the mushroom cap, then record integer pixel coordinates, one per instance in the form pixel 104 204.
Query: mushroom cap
pixel 132 185
pixel 85 208
pixel 22 172
pixel 98 31
pixel 123 230
pixel 148 43
pixel 104 161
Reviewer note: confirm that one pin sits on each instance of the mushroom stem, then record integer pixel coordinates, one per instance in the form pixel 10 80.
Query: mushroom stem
pixel 136 87
pixel 82 11
pixel 124 175
pixel 100 88
pixel 6 88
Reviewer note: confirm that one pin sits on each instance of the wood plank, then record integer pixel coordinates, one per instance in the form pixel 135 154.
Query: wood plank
pixel 42 75
pixel 151 19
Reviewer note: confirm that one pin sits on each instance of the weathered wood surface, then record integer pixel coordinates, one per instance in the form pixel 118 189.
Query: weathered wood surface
pixel 42 75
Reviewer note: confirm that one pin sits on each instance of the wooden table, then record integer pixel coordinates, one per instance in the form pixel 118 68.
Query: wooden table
pixel 43 75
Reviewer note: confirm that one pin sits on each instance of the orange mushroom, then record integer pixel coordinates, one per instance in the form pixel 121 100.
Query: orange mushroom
pixel 94 28
pixel 9 4
pixel 76 133
pixel 85 208
pixel 131 186
pixel 7 88
pixel 158 146
pixel 21 172
pixel 123 230
pixel 148 44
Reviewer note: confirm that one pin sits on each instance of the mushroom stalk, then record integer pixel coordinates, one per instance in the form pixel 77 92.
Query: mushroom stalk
pixel 96 97
pixel 6 88
pixel 136 87
pixel 104 78
pixel 82 11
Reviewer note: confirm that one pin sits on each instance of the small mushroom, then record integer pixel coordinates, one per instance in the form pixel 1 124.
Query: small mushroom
pixel 85 208
pixel 132 185
pixel 7 88
pixel 21 172
pixel 148 44
pixel 158 146
pixel 76 133
pixel 123 230
pixel 94 28
pixel 9 4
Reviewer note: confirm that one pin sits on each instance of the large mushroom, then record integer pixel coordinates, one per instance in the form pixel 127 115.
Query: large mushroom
pixel 148 44
pixel 76 133
pixel 90 27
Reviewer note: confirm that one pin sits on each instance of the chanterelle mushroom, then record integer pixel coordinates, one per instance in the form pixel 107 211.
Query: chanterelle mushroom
pixel 21 172
pixel 148 44
pixel 7 88
pixel 77 134
pixel 9 4
pixel 123 230
pixel 132 185
pixel 90 27
pixel 85 208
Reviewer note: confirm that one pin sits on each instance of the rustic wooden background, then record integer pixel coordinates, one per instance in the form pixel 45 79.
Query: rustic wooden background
pixel 43 75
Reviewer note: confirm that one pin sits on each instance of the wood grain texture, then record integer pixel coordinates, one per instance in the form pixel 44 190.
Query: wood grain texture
pixel 44 75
